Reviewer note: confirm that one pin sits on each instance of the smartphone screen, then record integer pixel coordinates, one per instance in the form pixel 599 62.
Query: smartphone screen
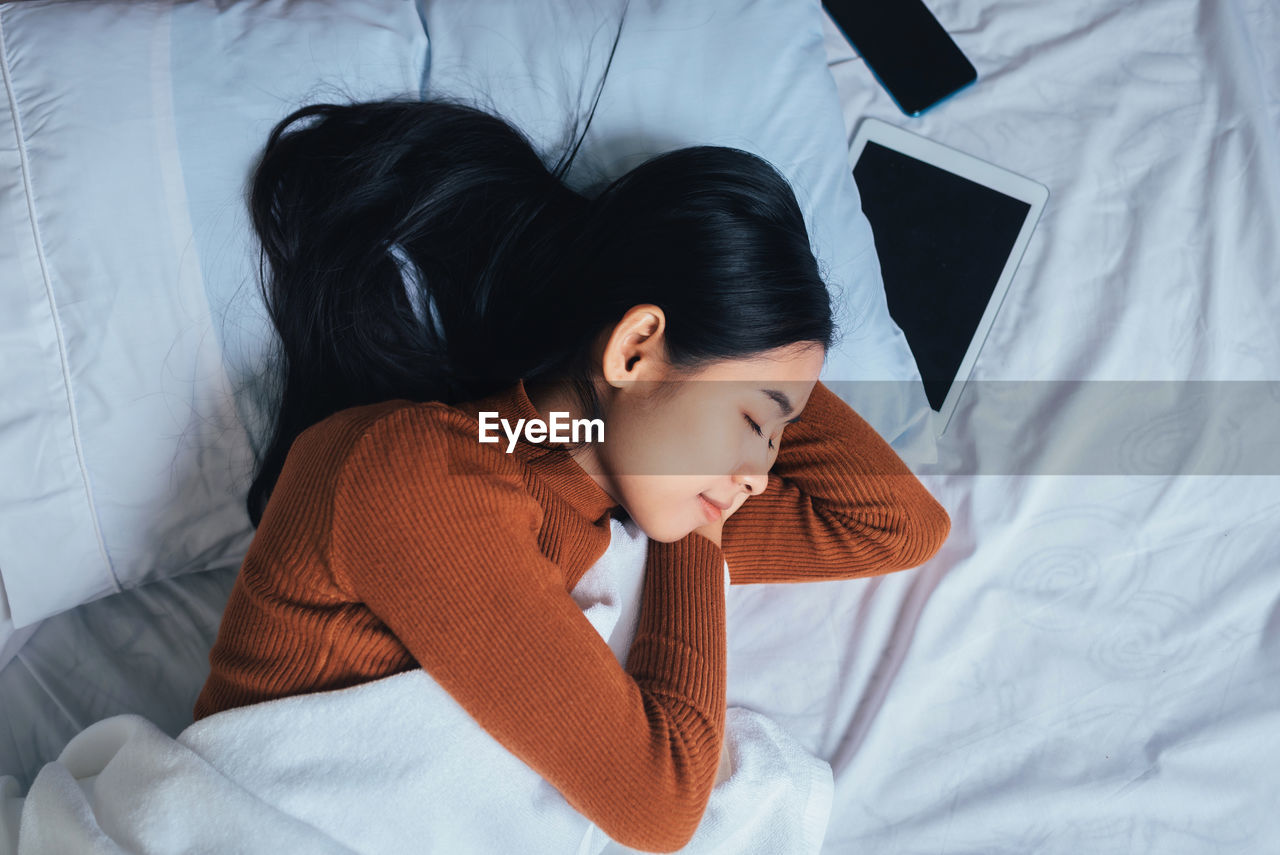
pixel 906 48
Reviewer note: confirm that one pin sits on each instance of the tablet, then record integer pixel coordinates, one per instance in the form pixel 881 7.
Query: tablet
pixel 949 231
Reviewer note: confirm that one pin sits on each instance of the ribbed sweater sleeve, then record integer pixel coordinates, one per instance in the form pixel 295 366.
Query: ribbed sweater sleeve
pixel 839 504
pixel 437 535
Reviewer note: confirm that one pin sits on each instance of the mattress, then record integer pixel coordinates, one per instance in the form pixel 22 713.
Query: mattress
pixel 1092 661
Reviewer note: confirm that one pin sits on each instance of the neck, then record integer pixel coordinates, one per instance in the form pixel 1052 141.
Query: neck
pixel 547 398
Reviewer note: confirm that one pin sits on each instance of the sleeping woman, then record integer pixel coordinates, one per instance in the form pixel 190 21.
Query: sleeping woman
pixel 423 267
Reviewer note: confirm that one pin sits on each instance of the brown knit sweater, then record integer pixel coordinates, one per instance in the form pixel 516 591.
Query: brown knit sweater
pixel 395 540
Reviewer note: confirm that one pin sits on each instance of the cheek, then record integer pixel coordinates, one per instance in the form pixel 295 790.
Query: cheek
pixel 680 443
pixel 635 445
pixel 708 449
pixel 674 452
pixel 663 513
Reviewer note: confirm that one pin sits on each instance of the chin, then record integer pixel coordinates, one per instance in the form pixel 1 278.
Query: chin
pixel 662 533
pixel 671 538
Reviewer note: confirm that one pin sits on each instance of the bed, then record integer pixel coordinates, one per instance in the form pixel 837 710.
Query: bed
pixel 1092 661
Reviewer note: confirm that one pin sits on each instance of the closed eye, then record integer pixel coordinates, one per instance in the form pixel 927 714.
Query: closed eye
pixel 755 427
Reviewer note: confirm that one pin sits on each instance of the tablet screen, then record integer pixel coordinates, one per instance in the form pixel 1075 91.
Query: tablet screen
pixel 943 241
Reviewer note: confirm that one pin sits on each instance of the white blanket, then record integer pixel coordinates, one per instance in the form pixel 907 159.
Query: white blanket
pixel 391 766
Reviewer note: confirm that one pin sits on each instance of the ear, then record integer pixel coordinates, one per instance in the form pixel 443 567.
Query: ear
pixel 636 349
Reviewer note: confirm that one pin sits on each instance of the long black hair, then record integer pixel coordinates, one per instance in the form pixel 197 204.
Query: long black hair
pixel 422 249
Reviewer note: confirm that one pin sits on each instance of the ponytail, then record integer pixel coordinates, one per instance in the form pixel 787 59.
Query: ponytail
pixel 402 238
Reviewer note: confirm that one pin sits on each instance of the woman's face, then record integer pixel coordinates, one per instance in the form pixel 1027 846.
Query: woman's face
pixel 670 439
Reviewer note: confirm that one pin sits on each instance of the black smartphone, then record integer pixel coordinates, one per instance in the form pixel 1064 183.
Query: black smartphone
pixel 906 49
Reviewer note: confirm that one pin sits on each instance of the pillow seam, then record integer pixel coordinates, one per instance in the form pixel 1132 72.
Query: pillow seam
pixel 27 188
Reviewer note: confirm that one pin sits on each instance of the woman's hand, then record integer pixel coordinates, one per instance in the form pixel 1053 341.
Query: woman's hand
pixel 725 770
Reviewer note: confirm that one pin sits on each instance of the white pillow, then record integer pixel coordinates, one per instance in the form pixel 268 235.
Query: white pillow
pixel 122 456
pixel 752 75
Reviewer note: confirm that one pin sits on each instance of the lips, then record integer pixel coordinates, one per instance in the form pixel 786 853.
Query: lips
pixel 722 506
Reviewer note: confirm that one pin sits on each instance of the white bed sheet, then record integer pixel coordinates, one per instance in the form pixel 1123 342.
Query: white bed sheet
pixel 145 650
pixel 1092 662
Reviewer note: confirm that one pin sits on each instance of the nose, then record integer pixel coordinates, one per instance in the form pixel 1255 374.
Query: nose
pixel 754 484
pixel 752 473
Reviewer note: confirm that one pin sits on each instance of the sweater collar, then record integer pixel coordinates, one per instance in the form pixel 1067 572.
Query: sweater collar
pixel 558 468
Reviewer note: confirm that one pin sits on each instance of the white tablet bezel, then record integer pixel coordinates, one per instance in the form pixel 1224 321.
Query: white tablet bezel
pixel 980 171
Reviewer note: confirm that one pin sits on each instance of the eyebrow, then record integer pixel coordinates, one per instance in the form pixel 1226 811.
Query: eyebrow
pixel 783 402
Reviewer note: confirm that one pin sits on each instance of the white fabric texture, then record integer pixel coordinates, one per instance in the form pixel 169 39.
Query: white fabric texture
pixel 395 765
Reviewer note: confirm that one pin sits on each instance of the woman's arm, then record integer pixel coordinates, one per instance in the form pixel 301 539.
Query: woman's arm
pixel 437 535
pixel 840 504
